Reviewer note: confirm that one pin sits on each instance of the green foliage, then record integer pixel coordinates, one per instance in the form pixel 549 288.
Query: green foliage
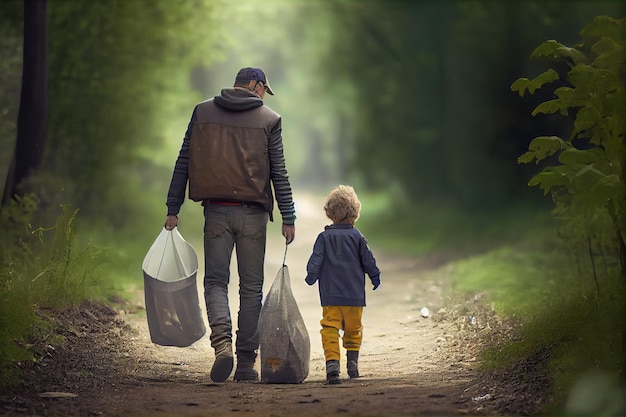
pixel 429 115
pixel 545 285
pixel 40 268
pixel 402 226
pixel 531 268
pixel 536 83
pixel 553 49
pixel 118 70
pixel 542 147
pixel 589 175
pixel 581 325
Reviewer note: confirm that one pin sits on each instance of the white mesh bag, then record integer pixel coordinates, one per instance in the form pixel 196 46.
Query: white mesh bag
pixel 170 271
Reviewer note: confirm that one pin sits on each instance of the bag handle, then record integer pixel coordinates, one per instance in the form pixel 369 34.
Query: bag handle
pixel 285 257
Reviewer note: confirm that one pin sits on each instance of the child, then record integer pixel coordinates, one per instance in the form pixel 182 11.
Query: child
pixel 339 262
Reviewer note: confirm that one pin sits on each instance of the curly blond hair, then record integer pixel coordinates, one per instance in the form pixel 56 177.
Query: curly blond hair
pixel 342 205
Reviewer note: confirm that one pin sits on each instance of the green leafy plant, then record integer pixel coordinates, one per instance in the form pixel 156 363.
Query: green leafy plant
pixel 39 268
pixel 585 174
pixel 586 181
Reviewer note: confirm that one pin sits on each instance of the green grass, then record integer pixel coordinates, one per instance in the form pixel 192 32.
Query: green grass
pixel 422 227
pixel 41 267
pixel 543 282
pixel 519 279
pixel 559 308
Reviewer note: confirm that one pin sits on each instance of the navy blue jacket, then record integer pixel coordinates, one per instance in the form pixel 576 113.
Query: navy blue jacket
pixel 340 260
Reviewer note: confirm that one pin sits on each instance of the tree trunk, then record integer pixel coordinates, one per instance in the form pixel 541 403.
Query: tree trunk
pixel 33 112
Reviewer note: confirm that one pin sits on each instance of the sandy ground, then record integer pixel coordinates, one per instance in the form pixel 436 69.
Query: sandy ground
pixel 410 365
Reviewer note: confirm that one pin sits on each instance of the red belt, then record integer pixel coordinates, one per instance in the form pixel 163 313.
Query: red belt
pixel 226 203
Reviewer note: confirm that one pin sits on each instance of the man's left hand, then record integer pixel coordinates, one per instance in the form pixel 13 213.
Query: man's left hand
pixel 289 231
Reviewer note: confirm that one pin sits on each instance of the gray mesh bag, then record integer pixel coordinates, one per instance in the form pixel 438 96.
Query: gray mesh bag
pixel 285 347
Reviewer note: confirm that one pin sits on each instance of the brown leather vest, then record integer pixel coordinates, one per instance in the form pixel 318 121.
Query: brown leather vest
pixel 228 154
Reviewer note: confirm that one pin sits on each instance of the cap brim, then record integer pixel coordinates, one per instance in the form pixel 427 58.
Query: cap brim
pixel 269 89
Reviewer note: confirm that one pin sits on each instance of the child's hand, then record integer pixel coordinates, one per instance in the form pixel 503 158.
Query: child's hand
pixel 310 279
pixel 376 282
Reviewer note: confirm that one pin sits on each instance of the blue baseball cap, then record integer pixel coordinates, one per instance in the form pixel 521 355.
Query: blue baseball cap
pixel 253 74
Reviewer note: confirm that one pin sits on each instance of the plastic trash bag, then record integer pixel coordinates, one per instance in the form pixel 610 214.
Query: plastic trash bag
pixel 171 291
pixel 284 341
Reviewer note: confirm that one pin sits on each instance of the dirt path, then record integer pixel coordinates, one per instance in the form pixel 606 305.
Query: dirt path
pixel 410 365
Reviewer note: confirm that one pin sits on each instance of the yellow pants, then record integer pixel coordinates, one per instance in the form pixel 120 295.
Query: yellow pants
pixel 346 318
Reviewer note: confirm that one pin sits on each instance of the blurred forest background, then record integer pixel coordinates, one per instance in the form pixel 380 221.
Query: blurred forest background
pixel 409 101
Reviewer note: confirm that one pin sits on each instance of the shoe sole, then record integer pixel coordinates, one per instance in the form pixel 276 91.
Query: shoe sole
pixel 222 368
pixel 333 380
pixel 249 376
pixel 246 381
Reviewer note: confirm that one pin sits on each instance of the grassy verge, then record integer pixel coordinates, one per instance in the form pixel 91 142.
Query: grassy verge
pixel 53 264
pixel 560 310
pixel 567 307
pixel 41 267
pixel 56 257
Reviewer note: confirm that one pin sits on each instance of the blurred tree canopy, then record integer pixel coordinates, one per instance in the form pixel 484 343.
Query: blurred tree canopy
pixel 407 94
pixel 434 112
pixel 113 66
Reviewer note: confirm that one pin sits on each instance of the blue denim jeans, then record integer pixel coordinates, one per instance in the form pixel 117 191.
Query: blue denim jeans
pixel 227 227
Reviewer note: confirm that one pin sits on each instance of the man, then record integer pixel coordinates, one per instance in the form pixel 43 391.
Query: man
pixel 232 156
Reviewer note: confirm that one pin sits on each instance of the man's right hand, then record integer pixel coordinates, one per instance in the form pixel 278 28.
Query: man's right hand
pixel 289 232
pixel 171 222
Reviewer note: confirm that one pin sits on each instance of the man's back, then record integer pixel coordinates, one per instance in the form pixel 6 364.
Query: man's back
pixel 229 149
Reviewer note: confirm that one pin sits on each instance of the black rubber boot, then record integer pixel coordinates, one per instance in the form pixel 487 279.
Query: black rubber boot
pixel 353 363
pixel 332 372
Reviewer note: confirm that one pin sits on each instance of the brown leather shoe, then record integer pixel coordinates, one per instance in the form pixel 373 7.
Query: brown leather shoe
pixel 245 371
pixel 246 374
pixel 223 365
